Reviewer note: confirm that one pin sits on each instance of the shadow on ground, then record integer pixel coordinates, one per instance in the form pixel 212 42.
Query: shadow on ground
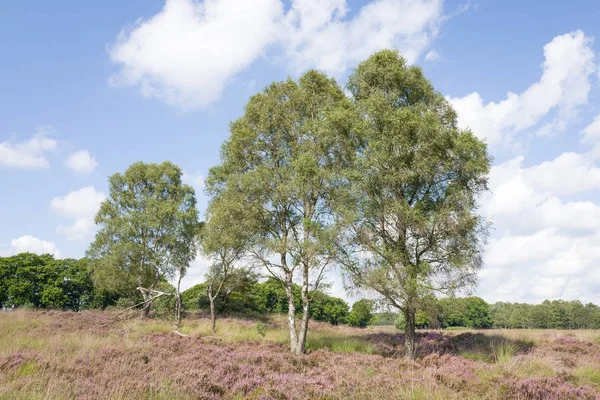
pixel 474 345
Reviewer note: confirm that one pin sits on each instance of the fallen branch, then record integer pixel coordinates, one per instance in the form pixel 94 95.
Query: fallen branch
pixel 146 304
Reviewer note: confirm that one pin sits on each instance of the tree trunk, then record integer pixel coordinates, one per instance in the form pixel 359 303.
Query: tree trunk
pixel 291 314
pixel 409 333
pixel 178 301
pixel 213 317
pixel 305 314
pixel 146 309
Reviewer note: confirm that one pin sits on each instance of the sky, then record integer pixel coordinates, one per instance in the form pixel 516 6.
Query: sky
pixel 88 88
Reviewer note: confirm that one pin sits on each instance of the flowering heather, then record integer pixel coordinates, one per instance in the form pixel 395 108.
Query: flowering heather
pixel 71 356
pixel 537 388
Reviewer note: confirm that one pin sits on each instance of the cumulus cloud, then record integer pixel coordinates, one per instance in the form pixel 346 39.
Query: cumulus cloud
pixel 81 206
pixel 318 34
pixel 188 51
pixel 564 85
pixel 28 154
pixel 545 246
pixel 81 162
pixel 31 244
pixel 186 54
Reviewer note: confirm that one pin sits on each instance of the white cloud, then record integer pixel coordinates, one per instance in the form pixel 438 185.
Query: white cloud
pixel 545 247
pixel 194 180
pixel 318 35
pixel 563 86
pixel 81 162
pixel 28 154
pixel 195 273
pixel 31 244
pixel 188 52
pixel 82 206
pixel 433 56
pixel 569 173
pixel 591 133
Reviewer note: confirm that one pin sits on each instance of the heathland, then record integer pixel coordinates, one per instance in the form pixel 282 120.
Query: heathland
pixel 65 355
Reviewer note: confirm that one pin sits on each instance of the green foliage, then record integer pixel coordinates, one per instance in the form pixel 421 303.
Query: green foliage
pixel 192 297
pixel 384 318
pixel 279 176
pixel 470 312
pixel 261 329
pixel 244 295
pixel 165 305
pixel 148 228
pixel 400 323
pixel 362 313
pixel 42 282
pixel 412 208
pixel 422 320
pixel 556 314
pixel 328 309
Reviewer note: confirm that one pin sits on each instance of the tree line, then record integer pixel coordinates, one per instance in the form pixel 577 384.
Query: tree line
pixel 41 281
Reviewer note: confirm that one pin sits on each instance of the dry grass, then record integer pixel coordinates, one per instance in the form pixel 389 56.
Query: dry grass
pixel 64 355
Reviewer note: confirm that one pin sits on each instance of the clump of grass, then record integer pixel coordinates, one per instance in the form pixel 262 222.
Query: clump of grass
pixel 28 368
pixel 588 375
pixel 338 344
pixel 261 329
pixel 533 367
pixel 503 351
pixel 475 356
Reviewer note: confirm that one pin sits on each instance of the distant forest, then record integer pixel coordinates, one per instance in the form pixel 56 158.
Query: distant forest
pixel 43 282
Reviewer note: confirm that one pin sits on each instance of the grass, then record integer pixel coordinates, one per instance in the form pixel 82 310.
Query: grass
pixel 503 351
pixel 588 375
pixel 320 341
pixel 61 355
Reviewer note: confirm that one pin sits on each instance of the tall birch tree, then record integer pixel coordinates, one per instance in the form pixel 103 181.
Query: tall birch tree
pixel 413 226
pixel 280 171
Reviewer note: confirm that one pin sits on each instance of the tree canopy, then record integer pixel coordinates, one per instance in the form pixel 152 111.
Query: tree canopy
pixel 413 224
pixel 278 175
pixel 148 228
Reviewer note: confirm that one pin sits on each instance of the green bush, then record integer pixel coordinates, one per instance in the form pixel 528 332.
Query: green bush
pixel 261 329
pixel 400 322
pixel 362 313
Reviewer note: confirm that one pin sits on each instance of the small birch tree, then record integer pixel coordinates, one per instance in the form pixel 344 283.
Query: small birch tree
pixel 147 230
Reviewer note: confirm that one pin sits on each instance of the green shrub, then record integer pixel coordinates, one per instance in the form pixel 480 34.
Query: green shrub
pixel 261 329
pixel 362 313
pixel 400 323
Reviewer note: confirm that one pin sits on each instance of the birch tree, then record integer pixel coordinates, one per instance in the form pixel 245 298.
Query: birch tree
pixel 280 169
pixel 413 227
pixel 147 230
pixel 223 240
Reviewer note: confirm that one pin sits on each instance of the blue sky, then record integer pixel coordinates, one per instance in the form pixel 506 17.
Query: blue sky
pixel 87 88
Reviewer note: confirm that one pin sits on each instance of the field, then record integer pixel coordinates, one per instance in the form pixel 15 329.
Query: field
pixel 65 355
